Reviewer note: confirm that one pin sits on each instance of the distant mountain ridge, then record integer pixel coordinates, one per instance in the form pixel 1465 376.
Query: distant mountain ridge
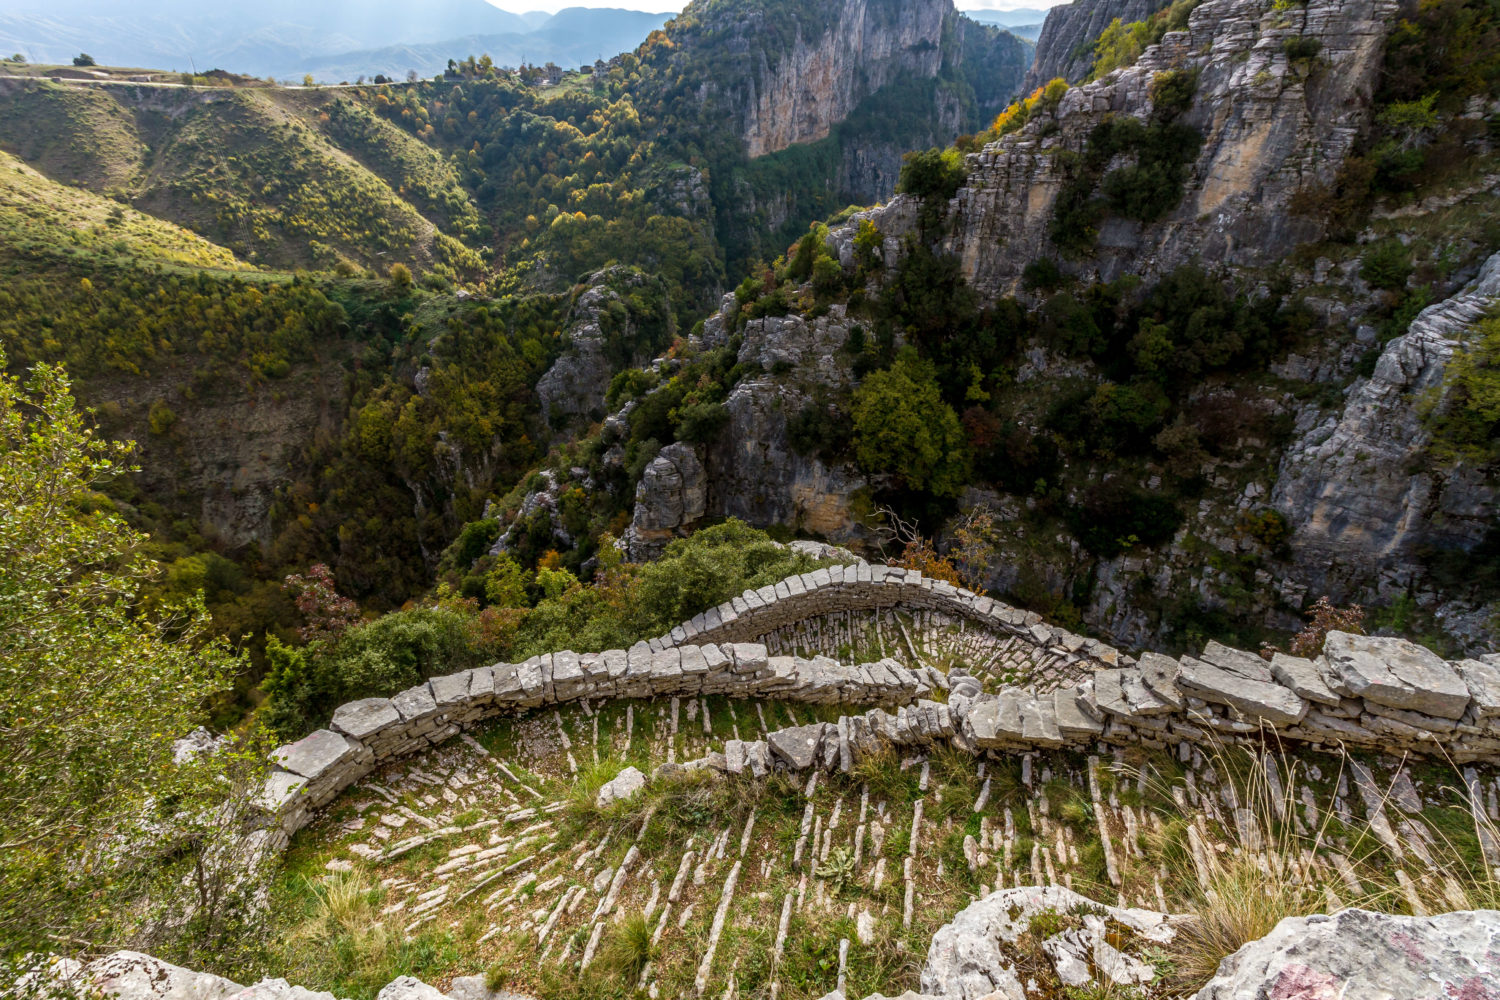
pixel 333 40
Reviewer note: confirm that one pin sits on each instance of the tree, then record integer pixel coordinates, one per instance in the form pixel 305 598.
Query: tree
pixel 308 81
pixel 93 689
pixel 903 428
pixel 83 59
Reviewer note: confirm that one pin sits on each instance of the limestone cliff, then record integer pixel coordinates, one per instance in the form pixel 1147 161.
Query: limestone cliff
pixel 1365 497
pixel 796 71
pixel 792 73
pixel 1065 48
pixel 1271 126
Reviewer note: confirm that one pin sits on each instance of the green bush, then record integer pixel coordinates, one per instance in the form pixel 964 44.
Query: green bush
pixel 903 428
pixel 702 423
pixel 933 173
pixel 382 657
pixel 1386 265
pixel 1301 48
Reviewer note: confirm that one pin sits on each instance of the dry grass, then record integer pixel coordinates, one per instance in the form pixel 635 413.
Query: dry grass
pixel 1241 892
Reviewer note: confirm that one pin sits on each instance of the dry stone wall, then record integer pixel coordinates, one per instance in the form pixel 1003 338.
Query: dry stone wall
pixel 1363 692
pixel 1368 693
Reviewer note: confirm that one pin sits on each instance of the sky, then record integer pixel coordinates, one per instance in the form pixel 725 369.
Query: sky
pixel 522 6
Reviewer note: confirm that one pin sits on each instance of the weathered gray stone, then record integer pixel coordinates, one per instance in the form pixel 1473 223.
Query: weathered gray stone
pixel 409 988
pixel 1160 675
pixel 972 958
pixel 1398 674
pixel 130 975
pixel 1255 699
pixel 1303 677
pixel 1483 681
pixel 451 689
pixel 621 787
pixel 1073 718
pixel 1357 953
pixel 415 703
pixel 318 753
pixel 797 747
pixel 1237 661
pixel 366 717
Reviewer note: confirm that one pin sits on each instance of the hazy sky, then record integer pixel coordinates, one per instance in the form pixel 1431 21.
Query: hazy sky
pixel 521 6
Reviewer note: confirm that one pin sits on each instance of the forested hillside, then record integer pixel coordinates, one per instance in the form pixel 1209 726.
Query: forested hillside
pixel 323 314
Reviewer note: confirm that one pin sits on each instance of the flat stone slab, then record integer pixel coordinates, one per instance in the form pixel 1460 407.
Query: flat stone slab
pixel 1303 677
pixel 797 746
pixel 1254 699
pixel 316 753
pixel 1237 661
pixel 1397 674
pixel 415 703
pixel 366 717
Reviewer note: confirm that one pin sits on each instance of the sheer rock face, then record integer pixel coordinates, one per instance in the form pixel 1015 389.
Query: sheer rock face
pixel 755 473
pixel 791 76
pixel 800 94
pixel 1065 48
pixel 1364 954
pixel 1271 127
pixel 1362 496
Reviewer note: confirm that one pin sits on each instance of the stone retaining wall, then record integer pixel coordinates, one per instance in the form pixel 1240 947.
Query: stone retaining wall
pixel 311 772
pixel 862 586
pixel 1375 693
pixel 1363 693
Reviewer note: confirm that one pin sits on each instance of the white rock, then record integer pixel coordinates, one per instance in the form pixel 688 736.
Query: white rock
pixel 1357 953
pixel 624 786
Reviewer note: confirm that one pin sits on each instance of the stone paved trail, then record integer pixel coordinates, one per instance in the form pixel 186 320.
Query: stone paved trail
pixel 484 840
pixel 926 638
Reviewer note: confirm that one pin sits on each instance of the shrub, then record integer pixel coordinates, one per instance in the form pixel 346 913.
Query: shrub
pixel 702 423
pixel 902 428
pixel 382 657
pixel 1042 276
pixel 1386 265
pixel 934 173
pixel 1301 48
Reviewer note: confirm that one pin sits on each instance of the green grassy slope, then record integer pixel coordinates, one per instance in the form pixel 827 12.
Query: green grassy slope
pixel 41 215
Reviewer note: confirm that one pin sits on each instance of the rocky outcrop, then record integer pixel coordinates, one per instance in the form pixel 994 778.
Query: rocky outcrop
pixel 975 956
pixel 671 496
pixel 1065 48
pixel 603 336
pixel 1361 492
pixel 1357 953
pixel 759 476
pixel 1271 126
pixel 130 975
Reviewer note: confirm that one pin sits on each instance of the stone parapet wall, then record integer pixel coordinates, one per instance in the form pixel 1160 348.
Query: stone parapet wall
pixel 311 772
pixel 1365 693
pixel 1371 693
pixel 863 586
